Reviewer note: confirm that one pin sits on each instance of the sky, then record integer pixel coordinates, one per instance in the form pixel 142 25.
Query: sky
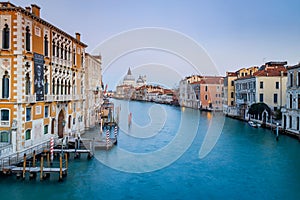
pixel 232 33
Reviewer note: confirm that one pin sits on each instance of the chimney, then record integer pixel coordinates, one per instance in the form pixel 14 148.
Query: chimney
pixel 35 10
pixel 28 9
pixel 77 36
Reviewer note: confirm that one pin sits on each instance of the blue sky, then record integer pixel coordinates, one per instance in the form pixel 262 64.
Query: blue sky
pixel 234 33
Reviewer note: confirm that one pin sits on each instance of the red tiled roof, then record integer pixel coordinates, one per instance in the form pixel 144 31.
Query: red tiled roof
pixel 271 71
pixel 210 80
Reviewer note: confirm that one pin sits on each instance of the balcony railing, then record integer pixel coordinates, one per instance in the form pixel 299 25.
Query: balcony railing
pixel 30 99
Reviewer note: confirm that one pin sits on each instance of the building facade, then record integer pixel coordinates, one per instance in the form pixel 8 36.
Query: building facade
pixel 229 101
pixel 291 112
pixel 42 79
pixel 93 90
pixel 267 85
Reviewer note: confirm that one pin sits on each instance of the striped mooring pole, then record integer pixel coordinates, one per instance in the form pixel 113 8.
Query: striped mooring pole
pixel 116 132
pixel 107 138
pixel 51 147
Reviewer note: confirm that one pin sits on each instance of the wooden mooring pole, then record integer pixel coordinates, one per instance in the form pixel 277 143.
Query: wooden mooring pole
pixel 33 159
pixel 24 166
pixel 60 168
pixel 42 165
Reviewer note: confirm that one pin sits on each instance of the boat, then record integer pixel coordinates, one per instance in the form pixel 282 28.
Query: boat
pixel 253 124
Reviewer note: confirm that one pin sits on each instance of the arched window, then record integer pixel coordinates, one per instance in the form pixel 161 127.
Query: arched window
pixel 66 53
pixel 53 86
pixel 27 84
pixel 53 47
pixel 46 85
pixel 66 87
pixel 291 101
pixel 69 87
pixel 62 87
pixel 69 121
pixel 57 87
pixel 27 38
pixel 57 49
pixel 74 56
pixel 5 85
pixel 69 53
pixel 62 51
pixel 5 37
pixel 46 45
pixel 52 126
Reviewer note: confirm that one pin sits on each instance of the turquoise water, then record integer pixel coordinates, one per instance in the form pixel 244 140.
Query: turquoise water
pixel 245 163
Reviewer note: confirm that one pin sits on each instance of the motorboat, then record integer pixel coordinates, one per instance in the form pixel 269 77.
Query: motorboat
pixel 253 124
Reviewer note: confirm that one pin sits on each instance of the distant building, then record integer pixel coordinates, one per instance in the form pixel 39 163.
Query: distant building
pixel 126 90
pixel 229 101
pixel 291 112
pixel 201 92
pixel 187 96
pixel 267 85
pixel 93 90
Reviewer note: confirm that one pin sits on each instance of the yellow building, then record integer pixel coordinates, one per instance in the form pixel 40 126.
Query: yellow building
pixel 42 79
pixel 229 100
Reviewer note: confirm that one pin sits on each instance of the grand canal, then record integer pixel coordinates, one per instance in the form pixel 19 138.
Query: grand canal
pixel 153 160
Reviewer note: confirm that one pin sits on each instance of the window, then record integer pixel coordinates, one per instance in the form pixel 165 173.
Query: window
pixel 52 126
pixel 4 117
pixel 57 49
pixel 206 97
pixel 232 83
pixel 298 78
pixel 291 101
pixel 290 120
pixel 46 111
pixel 5 85
pixel 275 98
pixel 261 85
pixel 53 86
pixel 297 123
pixel 28 134
pixel 232 95
pixel 291 80
pixel 28 114
pixel 4 137
pixel 261 97
pixel 46 85
pixel 53 48
pixel 298 101
pixel 27 84
pixel 74 56
pixel 231 103
pixel 206 88
pixel 277 85
pixel 27 39
pixel 62 51
pixel 69 121
pixel 46 129
pixel 46 45
pixel 66 53
pixel 5 37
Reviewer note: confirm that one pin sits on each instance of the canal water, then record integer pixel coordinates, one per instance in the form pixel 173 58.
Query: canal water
pixel 158 157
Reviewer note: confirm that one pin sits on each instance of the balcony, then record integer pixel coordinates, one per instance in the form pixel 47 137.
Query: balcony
pixel 30 99
pixel 50 98
pixel 241 101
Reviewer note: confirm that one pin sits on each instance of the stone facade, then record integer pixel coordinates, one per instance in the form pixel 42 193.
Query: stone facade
pixel 42 79
pixel 291 113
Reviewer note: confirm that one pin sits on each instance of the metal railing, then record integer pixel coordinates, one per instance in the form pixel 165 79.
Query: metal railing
pixel 17 157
